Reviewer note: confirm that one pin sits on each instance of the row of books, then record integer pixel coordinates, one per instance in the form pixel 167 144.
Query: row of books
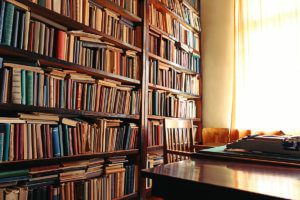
pixel 94 15
pixel 87 179
pixel 173 28
pixel 110 23
pixel 49 87
pixel 23 29
pixel 163 104
pixel 155 133
pixel 76 10
pixel 178 54
pixel 39 136
pixel 164 75
pixel 183 9
pixel 129 5
pixel 153 160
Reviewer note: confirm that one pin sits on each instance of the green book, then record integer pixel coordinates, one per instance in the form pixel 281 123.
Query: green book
pixel 6 142
pixel 23 87
pixel 66 140
pixel 16 173
pixel 88 98
pixel 1 145
pixel 62 94
pixel 60 134
pixel 8 24
pixel 42 3
pixel 29 88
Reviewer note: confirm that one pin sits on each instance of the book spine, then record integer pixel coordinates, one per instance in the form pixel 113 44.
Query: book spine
pixel 8 24
pixel 56 145
pixel 29 88
pixel 6 142
pixel 1 145
pixel 16 86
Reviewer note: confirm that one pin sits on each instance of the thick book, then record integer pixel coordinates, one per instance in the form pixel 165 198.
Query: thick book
pixel 15 30
pixel 56 144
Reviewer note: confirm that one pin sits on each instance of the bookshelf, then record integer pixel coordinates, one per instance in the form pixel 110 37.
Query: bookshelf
pixel 94 78
pixel 168 29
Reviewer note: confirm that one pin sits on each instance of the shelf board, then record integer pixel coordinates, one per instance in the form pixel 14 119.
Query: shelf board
pixel 123 12
pixel 63 111
pixel 174 65
pixel 74 25
pixel 128 196
pixel 163 117
pixel 50 61
pixel 173 91
pixel 57 160
pixel 162 7
pixel 155 148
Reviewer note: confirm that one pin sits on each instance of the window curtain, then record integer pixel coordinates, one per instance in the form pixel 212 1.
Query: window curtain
pixel 267 65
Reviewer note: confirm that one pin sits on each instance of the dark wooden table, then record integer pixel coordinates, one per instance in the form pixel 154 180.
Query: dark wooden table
pixel 209 178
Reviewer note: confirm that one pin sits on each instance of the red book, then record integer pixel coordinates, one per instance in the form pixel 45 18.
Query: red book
pixel 48 136
pixel 21 142
pixel 79 94
pixel 31 35
pixel 61 45
pixel 17 129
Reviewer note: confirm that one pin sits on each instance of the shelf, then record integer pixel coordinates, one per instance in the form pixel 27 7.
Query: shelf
pixel 173 91
pixel 114 7
pixel 190 6
pixel 155 148
pixel 74 25
pixel 162 7
pixel 50 61
pixel 163 117
pixel 161 32
pixel 56 160
pixel 63 111
pixel 128 196
pixel 174 65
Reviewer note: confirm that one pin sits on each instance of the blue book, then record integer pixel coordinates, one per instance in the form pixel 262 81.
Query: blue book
pixel 6 142
pixel 11 179
pixel 2 18
pixel 1 145
pixel 56 145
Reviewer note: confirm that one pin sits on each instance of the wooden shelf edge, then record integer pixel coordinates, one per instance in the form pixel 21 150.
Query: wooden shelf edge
pixel 184 94
pixel 63 111
pixel 163 7
pixel 163 117
pixel 71 158
pixel 123 12
pixel 176 66
pixel 45 60
pixel 128 196
pixel 72 24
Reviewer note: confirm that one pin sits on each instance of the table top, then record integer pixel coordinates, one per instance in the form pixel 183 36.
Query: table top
pixel 270 180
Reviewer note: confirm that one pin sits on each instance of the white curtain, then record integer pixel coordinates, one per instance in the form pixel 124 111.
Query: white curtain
pixel 267 65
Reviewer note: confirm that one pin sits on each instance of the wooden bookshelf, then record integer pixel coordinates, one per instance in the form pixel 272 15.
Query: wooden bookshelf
pixel 64 112
pixel 163 8
pixel 74 25
pixel 51 61
pixel 57 160
pixel 141 22
pixel 163 117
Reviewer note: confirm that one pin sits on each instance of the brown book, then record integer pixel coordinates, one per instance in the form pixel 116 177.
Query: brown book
pixel 26 30
pixel 12 194
pixel 30 37
pixel 17 139
pixel 16 86
pixel 47 40
pixel 25 142
pixel 39 143
pixel 34 141
pixel 42 38
pixel 36 39
pixel 23 194
pixel 48 145
pixel 11 142
pixel 29 141
pixel 51 43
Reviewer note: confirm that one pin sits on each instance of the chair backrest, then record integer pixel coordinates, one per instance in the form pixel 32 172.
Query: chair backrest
pixel 178 140
pixel 215 136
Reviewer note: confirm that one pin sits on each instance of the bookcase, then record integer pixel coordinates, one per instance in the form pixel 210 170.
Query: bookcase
pixel 85 85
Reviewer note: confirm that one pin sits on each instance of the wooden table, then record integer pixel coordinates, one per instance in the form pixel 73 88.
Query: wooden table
pixel 208 178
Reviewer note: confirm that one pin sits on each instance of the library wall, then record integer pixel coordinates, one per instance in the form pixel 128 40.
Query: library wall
pixel 217 18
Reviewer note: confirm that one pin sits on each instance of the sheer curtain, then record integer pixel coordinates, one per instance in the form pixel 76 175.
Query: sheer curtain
pixel 267 65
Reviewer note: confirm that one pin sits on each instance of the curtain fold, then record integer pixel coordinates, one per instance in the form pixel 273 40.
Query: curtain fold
pixel 267 65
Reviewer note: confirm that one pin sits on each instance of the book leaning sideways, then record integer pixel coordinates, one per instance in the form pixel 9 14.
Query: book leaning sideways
pixel 268 144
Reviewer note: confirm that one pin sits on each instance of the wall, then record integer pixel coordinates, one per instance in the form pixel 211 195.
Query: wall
pixel 217 22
